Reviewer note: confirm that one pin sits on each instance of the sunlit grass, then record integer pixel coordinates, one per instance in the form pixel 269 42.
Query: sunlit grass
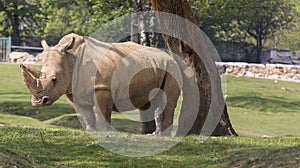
pixel 264 113
pixel 260 107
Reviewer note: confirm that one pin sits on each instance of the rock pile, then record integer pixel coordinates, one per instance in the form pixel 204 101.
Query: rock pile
pixel 269 71
pixel 23 57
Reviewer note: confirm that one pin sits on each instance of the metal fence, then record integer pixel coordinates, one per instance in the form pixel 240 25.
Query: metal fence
pixel 5 48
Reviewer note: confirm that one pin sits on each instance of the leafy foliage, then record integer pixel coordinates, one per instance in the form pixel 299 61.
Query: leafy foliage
pixel 289 38
pixel 246 22
pixel 53 19
pixel 19 18
pixel 240 21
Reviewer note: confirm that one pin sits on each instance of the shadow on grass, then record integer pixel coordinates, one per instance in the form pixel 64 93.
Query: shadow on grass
pixel 232 154
pixel 272 105
pixel 70 121
pixel 261 157
pixel 122 125
pixel 126 125
pixel 59 111
pixel 25 109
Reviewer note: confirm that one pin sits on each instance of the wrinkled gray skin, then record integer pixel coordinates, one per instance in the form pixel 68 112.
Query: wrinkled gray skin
pixel 55 80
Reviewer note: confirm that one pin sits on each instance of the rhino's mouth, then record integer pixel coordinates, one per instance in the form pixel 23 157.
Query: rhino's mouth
pixel 41 101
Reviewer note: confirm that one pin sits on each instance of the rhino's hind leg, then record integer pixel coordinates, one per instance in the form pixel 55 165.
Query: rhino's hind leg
pixel 147 119
pixel 104 106
pixel 172 92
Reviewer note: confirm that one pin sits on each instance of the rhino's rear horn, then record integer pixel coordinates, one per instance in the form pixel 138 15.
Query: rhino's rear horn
pixel 34 72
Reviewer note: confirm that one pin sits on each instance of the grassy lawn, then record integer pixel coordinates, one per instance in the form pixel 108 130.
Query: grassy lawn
pixel 265 114
pixel 263 107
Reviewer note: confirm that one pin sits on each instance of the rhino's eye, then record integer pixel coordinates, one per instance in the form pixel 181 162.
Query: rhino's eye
pixel 54 79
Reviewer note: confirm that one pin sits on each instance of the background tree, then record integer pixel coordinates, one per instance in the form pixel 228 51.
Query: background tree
pixel 289 37
pixel 261 19
pixel 19 18
pixel 63 17
pixel 228 21
pixel 243 21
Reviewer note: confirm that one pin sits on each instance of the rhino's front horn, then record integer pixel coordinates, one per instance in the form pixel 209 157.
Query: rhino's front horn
pixel 31 82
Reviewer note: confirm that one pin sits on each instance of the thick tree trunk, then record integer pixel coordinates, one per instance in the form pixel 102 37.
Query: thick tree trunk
pixel 259 45
pixel 181 8
pixel 16 39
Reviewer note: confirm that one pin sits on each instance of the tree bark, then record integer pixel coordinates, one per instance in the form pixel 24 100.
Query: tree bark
pixel 259 45
pixel 181 8
pixel 16 39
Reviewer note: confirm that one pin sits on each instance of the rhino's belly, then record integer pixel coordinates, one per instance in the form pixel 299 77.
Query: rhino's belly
pixel 137 92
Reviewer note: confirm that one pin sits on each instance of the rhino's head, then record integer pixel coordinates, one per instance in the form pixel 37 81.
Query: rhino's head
pixel 55 77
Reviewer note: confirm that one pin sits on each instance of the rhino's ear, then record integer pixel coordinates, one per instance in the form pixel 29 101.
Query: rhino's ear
pixel 67 45
pixel 44 44
pixel 71 43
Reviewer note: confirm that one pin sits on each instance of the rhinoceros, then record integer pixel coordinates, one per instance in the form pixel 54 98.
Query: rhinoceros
pixel 108 76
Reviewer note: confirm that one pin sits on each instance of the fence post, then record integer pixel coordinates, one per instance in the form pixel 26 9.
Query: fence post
pixel 8 47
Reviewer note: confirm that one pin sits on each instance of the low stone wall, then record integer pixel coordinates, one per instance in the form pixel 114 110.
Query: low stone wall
pixel 269 71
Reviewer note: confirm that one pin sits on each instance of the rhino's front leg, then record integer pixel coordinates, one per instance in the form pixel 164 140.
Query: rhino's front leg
pixel 87 115
pixel 86 112
pixel 104 104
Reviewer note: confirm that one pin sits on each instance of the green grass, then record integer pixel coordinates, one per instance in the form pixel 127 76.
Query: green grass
pixel 260 107
pixel 73 148
pixel 265 113
pixel 263 95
